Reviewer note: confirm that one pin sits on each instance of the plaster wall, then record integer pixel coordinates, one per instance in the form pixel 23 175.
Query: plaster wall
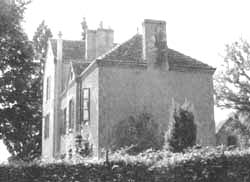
pixel 48 106
pixel 131 91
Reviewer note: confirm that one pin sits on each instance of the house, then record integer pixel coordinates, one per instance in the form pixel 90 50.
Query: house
pixel 232 132
pixel 90 85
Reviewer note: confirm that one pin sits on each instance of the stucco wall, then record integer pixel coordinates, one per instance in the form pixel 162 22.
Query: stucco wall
pixel 91 129
pixel 67 141
pixel 130 91
pixel 48 106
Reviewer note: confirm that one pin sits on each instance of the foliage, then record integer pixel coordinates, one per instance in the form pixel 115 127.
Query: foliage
pixel 181 133
pixel 20 119
pixel 232 81
pixel 197 165
pixel 40 42
pixel 142 132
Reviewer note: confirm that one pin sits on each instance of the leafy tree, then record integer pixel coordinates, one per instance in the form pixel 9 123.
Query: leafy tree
pixel 40 42
pixel 20 118
pixel 182 129
pixel 232 81
pixel 138 133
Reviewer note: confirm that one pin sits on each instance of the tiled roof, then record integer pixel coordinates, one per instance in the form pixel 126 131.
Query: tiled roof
pixel 72 49
pixel 79 67
pixel 131 50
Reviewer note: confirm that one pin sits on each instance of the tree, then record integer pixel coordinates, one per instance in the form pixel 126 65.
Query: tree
pixel 139 133
pixel 181 133
pixel 40 45
pixel 40 42
pixel 20 118
pixel 232 81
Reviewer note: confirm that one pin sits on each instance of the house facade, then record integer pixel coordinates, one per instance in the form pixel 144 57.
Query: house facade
pixel 91 85
pixel 233 131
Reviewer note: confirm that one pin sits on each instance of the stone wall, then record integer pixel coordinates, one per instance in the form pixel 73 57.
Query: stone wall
pixel 131 91
pixel 65 140
pixel 91 129
pixel 48 105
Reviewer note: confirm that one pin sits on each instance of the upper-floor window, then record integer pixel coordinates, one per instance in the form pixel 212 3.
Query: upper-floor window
pixel 46 126
pixel 48 88
pixel 71 114
pixel 86 104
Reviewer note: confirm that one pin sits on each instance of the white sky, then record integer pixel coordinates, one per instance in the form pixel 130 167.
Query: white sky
pixel 197 28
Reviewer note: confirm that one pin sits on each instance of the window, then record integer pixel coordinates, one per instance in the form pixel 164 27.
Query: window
pixel 64 122
pixel 46 126
pixel 48 88
pixel 71 114
pixel 86 104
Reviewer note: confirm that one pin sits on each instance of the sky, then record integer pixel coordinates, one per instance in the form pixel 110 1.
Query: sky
pixel 197 28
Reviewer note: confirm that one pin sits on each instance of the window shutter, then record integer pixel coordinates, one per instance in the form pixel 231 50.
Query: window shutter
pixel 86 104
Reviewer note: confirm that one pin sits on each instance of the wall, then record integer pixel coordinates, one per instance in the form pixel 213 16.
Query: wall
pixel 67 141
pixel 48 105
pixel 91 129
pixel 130 91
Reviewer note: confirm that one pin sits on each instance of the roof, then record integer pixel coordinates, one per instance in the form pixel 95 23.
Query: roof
pixel 221 123
pixel 79 67
pixel 131 50
pixel 72 49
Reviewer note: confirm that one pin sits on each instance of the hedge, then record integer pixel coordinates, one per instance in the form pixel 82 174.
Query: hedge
pixel 200 165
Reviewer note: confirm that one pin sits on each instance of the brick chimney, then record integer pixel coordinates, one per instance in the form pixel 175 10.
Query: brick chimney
pixel 98 42
pixel 155 43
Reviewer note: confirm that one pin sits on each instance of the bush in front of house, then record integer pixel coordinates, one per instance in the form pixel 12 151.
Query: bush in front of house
pixel 197 165
pixel 181 133
pixel 138 133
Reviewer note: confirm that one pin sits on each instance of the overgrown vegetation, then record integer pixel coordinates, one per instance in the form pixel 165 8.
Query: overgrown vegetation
pixel 197 165
pixel 139 133
pixel 181 133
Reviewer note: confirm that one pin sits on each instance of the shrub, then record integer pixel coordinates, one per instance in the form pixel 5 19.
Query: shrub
pixel 140 132
pixel 198 165
pixel 182 129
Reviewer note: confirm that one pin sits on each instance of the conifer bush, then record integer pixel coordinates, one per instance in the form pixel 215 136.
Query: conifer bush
pixel 181 133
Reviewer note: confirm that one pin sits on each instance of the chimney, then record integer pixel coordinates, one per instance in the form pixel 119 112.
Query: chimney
pixel 104 40
pixel 90 42
pixel 59 46
pixel 154 43
pixel 98 42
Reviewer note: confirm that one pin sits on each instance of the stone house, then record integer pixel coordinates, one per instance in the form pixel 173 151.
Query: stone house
pixel 232 132
pixel 90 85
